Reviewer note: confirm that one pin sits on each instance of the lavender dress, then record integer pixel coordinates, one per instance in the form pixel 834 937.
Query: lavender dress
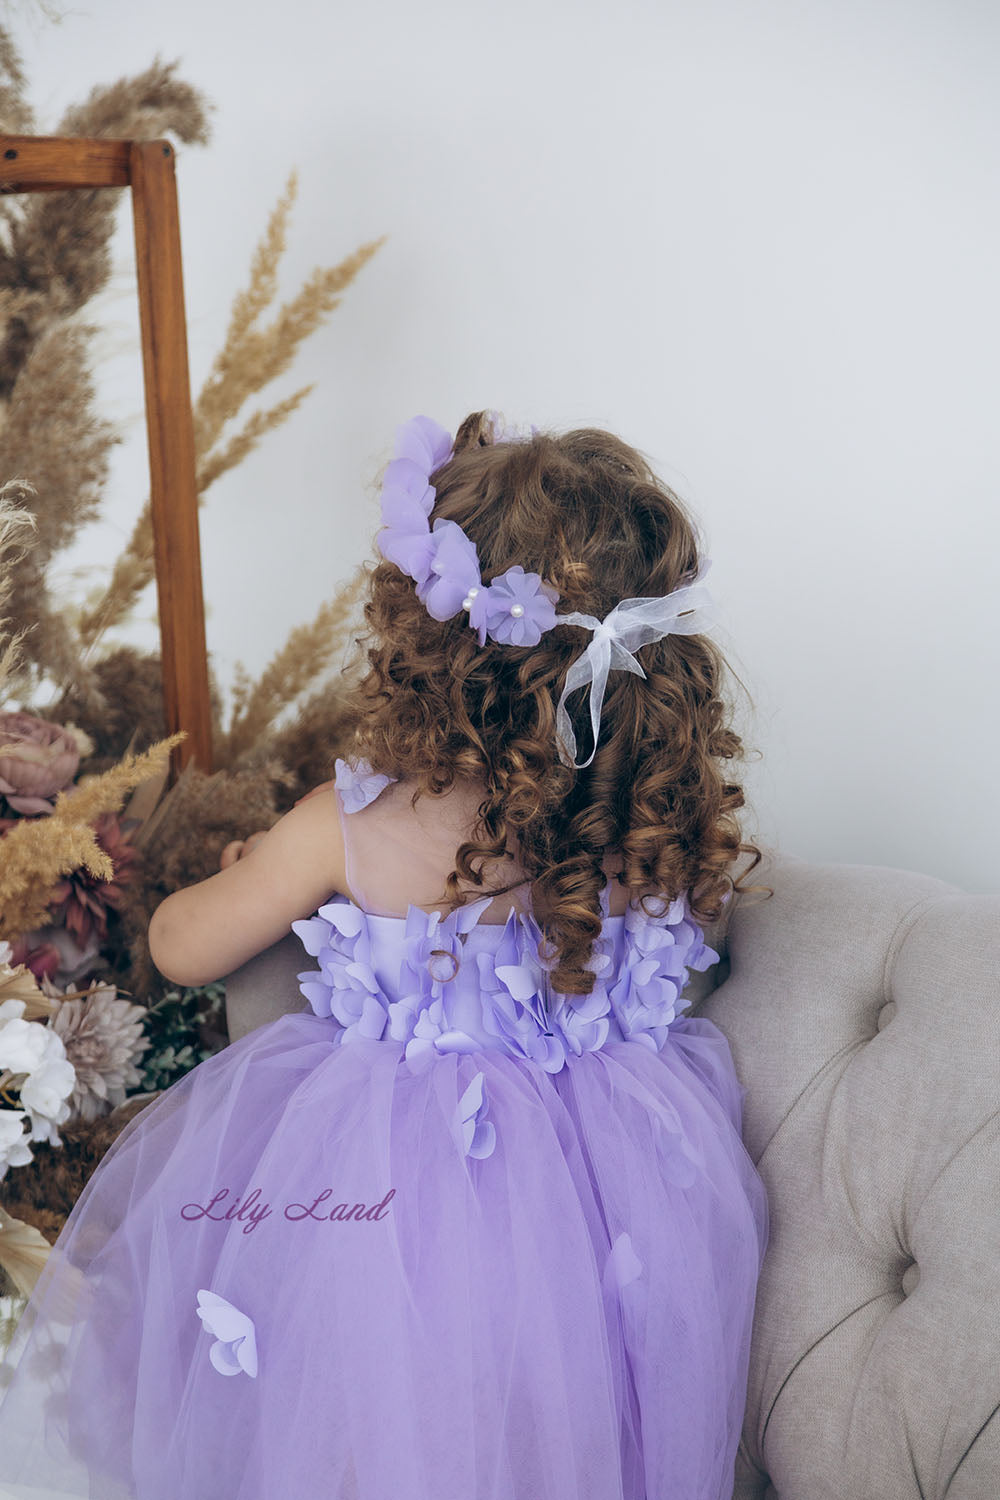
pixel 442 1236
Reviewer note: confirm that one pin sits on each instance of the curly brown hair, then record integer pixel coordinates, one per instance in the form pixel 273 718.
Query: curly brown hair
pixel 585 511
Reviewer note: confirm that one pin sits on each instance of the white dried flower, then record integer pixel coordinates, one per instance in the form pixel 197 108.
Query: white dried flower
pixel 33 1061
pixel 45 1094
pixel 23 1044
pixel 103 1039
pixel 14 1148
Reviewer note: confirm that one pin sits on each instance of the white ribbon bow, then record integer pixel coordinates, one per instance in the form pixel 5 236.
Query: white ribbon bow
pixel 631 624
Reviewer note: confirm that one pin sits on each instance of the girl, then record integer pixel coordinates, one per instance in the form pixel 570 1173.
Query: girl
pixel 479 1224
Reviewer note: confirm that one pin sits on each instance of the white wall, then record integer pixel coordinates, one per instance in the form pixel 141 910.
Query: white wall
pixel 759 241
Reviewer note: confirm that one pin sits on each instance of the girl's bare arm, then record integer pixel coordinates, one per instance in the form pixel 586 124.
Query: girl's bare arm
pixel 207 930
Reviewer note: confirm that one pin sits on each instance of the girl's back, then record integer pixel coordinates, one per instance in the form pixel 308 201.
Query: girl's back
pixel 399 854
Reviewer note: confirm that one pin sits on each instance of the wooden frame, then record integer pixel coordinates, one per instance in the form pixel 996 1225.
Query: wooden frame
pixel 39 164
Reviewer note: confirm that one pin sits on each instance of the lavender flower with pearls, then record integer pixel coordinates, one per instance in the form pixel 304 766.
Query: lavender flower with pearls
pixel 517 607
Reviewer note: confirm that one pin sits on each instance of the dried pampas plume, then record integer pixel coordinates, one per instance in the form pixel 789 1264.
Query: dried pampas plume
pixel 54 257
pixel 55 393
pixel 312 740
pixel 251 357
pixel 304 657
pixel 15 112
pixel 56 438
pixel 57 253
pixel 16 525
pixel 37 852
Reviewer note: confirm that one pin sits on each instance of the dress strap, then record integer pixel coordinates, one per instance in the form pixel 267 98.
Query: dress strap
pixel 358 784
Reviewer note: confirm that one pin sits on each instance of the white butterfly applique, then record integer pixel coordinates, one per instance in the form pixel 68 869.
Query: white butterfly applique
pixel 235 1348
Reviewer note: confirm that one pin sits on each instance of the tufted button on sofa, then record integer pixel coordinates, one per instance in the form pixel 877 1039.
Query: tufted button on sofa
pixel 862 1006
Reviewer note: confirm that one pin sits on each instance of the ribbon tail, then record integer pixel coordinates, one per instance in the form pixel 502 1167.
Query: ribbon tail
pixel 565 735
pixel 593 667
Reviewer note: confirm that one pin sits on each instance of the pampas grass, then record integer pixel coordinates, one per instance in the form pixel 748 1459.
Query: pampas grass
pixel 126 710
pixel 311 741
pixel 15 112
pixel 39 851
pixel 54 257
pixel 251 357
pixel 304 657
pixel 57 252
pixel 235 450
pixel 54 395
pixel 16 524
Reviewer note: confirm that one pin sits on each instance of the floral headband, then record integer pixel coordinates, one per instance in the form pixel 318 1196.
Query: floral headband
pixel 517 608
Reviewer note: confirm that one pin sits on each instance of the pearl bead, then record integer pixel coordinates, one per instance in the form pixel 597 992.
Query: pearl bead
pixel 472 593
pixel 517 610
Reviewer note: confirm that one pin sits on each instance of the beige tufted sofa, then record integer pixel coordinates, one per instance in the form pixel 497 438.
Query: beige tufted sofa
pixel 862 1006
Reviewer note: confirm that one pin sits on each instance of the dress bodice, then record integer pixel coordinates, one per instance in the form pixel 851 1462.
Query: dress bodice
pixel 453 983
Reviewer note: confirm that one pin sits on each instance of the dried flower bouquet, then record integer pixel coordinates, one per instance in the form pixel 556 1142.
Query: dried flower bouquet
pixel 90 838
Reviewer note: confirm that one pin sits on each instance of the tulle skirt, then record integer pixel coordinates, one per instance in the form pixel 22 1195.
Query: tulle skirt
pixel 566 1318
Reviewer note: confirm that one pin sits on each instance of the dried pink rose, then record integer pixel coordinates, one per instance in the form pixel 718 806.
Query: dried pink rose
pixel 41 958
pixel 37 760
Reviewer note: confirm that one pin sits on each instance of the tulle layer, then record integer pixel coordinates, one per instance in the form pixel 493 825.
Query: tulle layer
pixel 566 1318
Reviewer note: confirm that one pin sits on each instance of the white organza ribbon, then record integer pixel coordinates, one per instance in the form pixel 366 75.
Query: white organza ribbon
pixel 631 624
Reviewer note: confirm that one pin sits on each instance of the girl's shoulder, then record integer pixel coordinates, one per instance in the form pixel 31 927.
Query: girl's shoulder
pixel 443 818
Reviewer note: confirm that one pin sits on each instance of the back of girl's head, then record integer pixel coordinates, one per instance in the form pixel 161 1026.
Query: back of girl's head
pixel 585 512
